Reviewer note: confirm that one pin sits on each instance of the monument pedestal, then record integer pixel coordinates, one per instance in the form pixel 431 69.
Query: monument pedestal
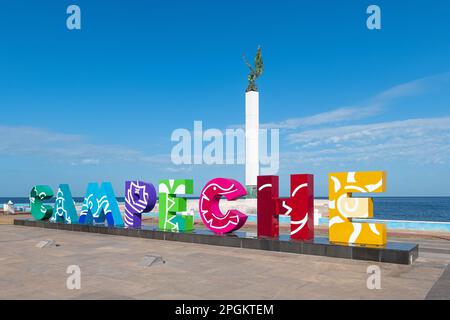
pixel 400 253
pixel 251 142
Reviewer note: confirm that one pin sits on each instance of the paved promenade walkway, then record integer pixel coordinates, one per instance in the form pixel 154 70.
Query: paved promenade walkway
pixel 114 267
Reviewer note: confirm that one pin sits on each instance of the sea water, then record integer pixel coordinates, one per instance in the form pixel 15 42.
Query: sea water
pixel 386 208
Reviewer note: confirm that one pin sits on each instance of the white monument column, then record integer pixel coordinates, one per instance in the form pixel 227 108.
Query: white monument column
pixel 251 141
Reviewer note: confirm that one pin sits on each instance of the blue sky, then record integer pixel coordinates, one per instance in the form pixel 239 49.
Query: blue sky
pixel 100 103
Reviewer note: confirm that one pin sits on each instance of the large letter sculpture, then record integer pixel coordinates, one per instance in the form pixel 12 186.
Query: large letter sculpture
pixel 300 206
pixel 172 210
pixel 343 208
pixel 64 211
pixel 99 204
pixel 39 210
pixel 209 209
pixel 140 197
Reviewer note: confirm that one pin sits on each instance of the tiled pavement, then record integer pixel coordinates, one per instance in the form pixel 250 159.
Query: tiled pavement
pixel 111 267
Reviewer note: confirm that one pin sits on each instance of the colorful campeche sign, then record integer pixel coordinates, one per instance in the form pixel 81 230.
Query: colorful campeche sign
pixel 172 209
pixel 342 207
pixel 100 206
pixel 140 197
pixel 209 209
pixel 300 206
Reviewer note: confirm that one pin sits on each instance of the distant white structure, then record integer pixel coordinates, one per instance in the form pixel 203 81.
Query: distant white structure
pixel 251 141
pixel 8 208
pixel 317 216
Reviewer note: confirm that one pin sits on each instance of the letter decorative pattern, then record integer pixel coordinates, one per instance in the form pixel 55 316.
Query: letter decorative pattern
pixel 209 209
pixel 39 210
pixel 140 197
pixel 172 210
pixel 300 206
pixel 342 208
pixel 100 204
pixel 64 211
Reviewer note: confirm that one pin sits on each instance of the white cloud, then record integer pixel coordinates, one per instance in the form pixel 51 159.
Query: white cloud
pixel 73 149
pixel 413 128
pixel 335 116
pixel 340 115
pixel 414 87
pixel 371 107
pixel 326 140
pixel 416 140
pixel 90 161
